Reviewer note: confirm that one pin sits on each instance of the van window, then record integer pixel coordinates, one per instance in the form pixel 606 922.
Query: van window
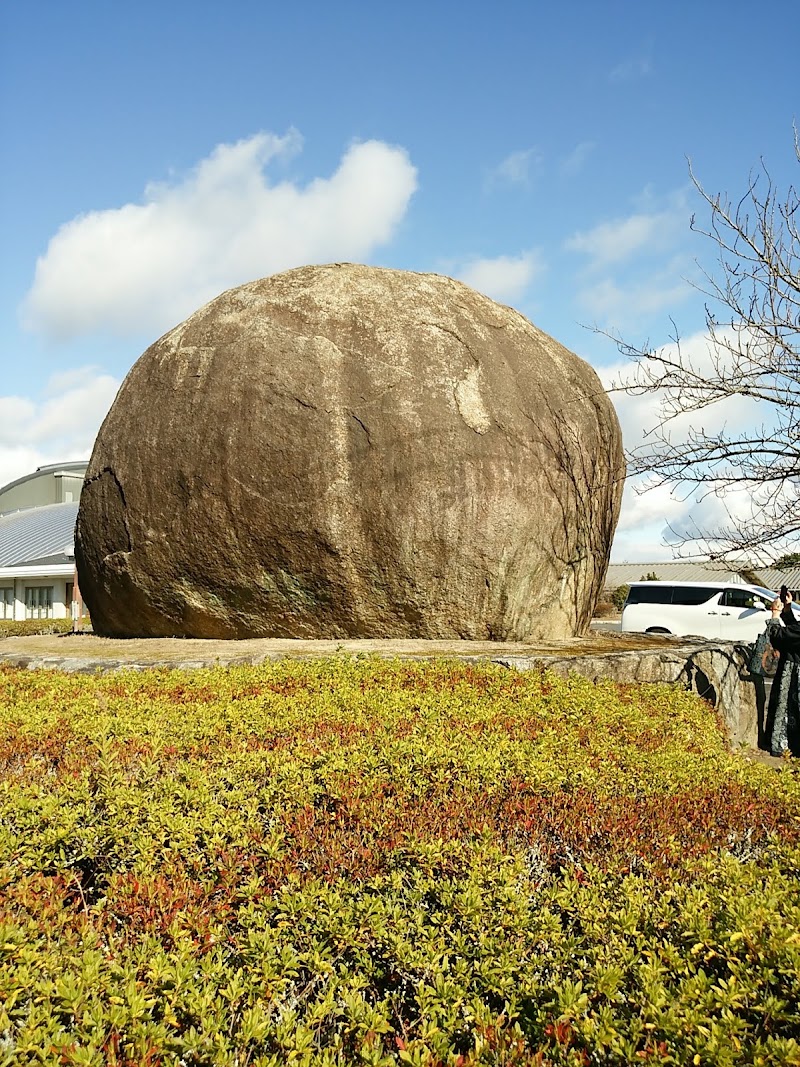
pixel 693 594
pixel 738 598
pixel 741 598
pixel 655 593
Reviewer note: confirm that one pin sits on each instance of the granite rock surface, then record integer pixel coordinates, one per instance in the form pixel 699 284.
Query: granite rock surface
pixel 348 451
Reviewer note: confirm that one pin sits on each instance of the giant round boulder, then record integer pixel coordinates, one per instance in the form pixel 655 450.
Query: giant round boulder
pixel 347 451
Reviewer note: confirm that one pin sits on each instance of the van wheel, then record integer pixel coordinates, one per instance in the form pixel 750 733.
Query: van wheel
pixel 657 630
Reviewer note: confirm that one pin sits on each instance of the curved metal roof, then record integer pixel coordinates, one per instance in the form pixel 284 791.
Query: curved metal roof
pixel 74 467
pixel 37 535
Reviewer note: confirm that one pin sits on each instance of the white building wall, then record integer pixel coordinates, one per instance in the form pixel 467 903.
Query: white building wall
pixel 59 608
pixel 60 605
pixel 57 582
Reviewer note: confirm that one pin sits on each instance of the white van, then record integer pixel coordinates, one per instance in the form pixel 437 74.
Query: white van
pixel 717 610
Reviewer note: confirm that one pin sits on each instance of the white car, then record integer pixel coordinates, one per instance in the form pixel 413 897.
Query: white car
pixel 716 610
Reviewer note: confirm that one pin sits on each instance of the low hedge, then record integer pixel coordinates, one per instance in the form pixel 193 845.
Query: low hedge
pixel 34 627
pixel 367 862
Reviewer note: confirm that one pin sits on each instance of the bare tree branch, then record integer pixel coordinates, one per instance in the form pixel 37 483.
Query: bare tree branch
pixel 752 320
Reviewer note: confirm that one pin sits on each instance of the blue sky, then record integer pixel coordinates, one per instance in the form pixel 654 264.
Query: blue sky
pixel 155 154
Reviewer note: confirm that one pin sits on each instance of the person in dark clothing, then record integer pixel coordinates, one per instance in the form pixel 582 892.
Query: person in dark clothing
pixel 763 665
pixel 783 715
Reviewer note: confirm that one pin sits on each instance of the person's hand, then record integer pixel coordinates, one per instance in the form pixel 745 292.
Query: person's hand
pixel 776 607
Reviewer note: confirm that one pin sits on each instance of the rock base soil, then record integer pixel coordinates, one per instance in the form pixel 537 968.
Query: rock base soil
pixel 173 651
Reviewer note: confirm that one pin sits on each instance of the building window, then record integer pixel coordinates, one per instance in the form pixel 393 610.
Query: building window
pixel 69 595
pixel 7 603
pixel 39 602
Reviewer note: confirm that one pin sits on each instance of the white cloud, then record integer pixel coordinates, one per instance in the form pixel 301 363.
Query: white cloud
pixel 631 266
pixel 575 161
pixel 620 239
pixel 639 414
pixel 146 266
pixel 657 507
pixel 656 523
pixel 516 168
pixel 60 425
pixel 644 523
pixel 652 524
pixel 611 301
pixel 631 69
pixel 504 278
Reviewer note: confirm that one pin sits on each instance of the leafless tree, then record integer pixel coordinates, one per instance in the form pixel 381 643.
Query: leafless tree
pixel 752 316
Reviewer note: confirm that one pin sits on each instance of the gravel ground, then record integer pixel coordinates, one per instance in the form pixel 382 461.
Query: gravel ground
pixel 158 650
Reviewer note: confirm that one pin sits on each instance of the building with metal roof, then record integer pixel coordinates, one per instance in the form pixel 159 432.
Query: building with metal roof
pixel 682 570
pixel 36 536
pixel 55 483
pixel 679 570
pixel 773 578
pixel 37 528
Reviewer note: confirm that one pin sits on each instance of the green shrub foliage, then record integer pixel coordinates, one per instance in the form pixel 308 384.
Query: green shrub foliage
pixel 31 627
pixel 619 596
pixel 36 627
pixel 355 861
